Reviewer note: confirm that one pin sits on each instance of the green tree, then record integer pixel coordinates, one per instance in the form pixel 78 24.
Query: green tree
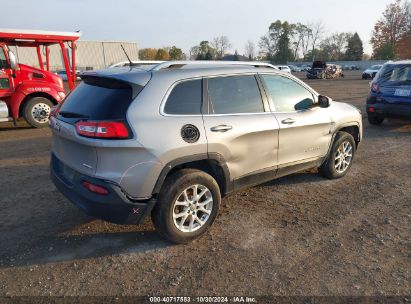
pixel 355 50
pixel 284 53
pixel 275 45
pixel 204 51
pixel 175 53
pixel 385 52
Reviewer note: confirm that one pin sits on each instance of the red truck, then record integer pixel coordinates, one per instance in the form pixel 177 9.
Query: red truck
pixel 27 91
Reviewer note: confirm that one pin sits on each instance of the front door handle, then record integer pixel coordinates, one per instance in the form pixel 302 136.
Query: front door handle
pixel 221 128
pixel 288 121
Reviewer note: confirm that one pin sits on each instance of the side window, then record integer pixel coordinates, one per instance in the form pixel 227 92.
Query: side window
pixel 285 92
pixel 185 98
pixel 234 94
pixel 3 61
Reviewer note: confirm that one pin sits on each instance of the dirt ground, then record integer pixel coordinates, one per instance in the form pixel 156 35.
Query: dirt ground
pixel 298 235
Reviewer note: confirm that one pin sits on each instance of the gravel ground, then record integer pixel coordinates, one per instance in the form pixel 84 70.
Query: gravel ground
pixel 298 235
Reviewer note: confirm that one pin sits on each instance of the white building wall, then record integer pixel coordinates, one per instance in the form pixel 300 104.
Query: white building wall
pixel 91 55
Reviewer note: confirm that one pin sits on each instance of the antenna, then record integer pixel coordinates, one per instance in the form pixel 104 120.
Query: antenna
pixel 128 58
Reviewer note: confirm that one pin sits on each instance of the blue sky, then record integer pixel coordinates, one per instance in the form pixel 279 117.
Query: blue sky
pixel 185 23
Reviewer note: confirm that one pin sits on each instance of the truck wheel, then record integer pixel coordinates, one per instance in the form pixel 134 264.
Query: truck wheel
pixel 340 157
pixel 37 111
pixel 187 205
pixel 375 119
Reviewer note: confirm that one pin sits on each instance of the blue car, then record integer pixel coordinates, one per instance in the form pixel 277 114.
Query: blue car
pixel 390 93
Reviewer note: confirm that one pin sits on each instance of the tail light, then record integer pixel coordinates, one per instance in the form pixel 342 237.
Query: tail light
pixel 95 188
pixel 103 129
pixel 375 87
pixel 371 99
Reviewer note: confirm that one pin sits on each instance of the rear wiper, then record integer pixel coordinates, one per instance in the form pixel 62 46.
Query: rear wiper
pixel 72 115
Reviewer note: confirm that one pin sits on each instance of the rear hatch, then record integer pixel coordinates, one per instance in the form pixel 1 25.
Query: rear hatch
pixel 394 82
pixel 95 101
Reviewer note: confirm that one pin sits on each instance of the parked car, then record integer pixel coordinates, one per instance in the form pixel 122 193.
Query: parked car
pixel 322 70
pixel 63 75
pixel 294 68
pixel 284 68
pixel 390 92
pixel 354 67
pixel 171 144
pixel 135 63
pixel 304 68
pixel 371 71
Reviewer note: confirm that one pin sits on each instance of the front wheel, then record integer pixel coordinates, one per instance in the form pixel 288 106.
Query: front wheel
pixel 340 158
pixel 37 111
pixel 187 205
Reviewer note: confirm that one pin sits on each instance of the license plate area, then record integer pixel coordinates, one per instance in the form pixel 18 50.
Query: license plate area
pixel 402 93
pixel 68 173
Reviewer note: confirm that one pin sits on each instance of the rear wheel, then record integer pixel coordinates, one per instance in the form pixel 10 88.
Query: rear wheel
pixel 375 119
pixel 340 159
pixel 187 205
pixel 37 111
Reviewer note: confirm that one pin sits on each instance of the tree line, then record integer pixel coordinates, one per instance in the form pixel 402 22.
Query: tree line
pixel 284 42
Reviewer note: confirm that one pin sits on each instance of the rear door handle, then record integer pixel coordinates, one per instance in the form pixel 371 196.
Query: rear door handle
pixel 221 128
pixel 288 121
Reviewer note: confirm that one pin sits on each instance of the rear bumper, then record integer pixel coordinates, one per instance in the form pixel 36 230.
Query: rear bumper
pixel 114 207
pixel 385 109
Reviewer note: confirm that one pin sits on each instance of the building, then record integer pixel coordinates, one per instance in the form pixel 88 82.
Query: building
pixel 90 55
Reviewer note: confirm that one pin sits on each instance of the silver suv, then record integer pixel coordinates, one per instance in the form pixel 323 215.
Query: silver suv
pixel 171 140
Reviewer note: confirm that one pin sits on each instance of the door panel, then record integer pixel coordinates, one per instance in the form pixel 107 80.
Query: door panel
pixel 6 84
pixel 238 125
pixel 250 145
pixel 304 135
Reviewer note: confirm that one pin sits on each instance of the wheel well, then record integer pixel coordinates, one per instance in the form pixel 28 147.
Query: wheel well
pixel 37 94
pixel 209 166
pixel 354 131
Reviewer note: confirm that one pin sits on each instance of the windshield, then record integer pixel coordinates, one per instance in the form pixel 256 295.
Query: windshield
pixel 395 73
pixel 375 67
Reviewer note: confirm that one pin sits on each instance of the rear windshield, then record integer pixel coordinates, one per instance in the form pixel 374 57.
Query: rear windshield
pixel 97 99
pixel 395 74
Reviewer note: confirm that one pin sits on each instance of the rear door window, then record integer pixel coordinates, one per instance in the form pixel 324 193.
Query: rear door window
pixel 234 94
pixel 185 98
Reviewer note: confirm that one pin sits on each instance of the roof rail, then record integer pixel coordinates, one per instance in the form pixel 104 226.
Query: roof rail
pixel 180 64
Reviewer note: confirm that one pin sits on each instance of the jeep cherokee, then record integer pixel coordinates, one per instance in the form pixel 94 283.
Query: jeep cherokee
pixel 171 140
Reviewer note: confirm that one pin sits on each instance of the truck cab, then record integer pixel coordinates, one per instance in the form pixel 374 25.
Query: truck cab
pixel 28 92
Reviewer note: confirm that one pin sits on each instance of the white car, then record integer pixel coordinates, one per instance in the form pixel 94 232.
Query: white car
pixel 294 68
pixel 371 71
pixel 135 63
pixel 284 68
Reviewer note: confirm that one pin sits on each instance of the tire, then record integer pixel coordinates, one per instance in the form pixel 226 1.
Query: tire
pixel 375 119
pixel 172 192
pixel 343 142
pixel 37 111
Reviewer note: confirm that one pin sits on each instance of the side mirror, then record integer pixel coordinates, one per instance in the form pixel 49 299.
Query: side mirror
pixel 304 104
pixel 13 60
pixel 323 101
